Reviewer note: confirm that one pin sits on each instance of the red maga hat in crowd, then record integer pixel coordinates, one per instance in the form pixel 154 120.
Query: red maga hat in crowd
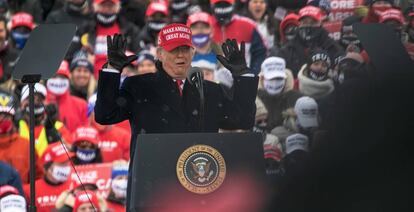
pixel 22 19
pixel 155 7
pixel 199 17
pixel 311 11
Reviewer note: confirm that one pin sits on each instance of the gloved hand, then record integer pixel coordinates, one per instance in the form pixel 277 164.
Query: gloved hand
pixel 51 115
pixel 116 52
pixel 234 59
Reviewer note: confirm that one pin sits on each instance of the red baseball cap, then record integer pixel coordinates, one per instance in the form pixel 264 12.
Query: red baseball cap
pixel 174 35
pixel 199 17
pixel 85 134
pixel 155 7
pixel 391 14
pixel 86 197
pixel 22 19
pixel 217 1
pixel 64 69
pixel 100 1
pixel 57 153
pixel 311 11
pixel 8 189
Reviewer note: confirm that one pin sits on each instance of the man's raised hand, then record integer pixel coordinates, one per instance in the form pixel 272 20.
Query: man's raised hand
pixel 116 52
pixel 234 58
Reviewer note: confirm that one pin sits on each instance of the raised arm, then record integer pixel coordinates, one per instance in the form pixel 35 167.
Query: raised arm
pixel 239 111
pixel 112 103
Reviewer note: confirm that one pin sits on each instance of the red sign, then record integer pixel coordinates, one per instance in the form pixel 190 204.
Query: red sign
pixel 99 174
pixel 341 9
pixel 334 29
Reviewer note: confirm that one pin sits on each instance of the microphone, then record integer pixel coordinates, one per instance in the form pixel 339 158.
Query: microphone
pixel 195 77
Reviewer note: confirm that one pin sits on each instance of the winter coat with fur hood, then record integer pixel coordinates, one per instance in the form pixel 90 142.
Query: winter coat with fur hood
pixel 313 88
pixel 276 104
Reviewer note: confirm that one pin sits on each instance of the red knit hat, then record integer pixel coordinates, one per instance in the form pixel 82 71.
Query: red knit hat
pixel 85 134
pixel 64 69
pixel 173 36
pixel 88 197
pixel 22 19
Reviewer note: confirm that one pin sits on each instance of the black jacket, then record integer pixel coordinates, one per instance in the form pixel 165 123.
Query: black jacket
pixel 65 15
pixel 152 104
pixel 295 52
pixel 8 57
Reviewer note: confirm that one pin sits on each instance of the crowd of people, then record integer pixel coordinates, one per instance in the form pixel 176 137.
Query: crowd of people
pixel 300 62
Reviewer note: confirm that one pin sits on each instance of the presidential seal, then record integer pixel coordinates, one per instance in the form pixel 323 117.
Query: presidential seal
pixel 201 169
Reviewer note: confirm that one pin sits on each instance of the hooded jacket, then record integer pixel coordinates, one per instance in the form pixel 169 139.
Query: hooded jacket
pixel 14 150
pixel 72 110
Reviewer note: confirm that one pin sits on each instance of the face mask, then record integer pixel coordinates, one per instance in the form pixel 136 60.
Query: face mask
pixel 61 174
pixel 201 40
pixel 105 19
pixel 290 36
pixel 223 13
pixel 290 33
pixel 317 75
pixel 179 7
pixel 39 112
pixel 274 87
pixel 156 26
pixel 77 7
pixel 309 34
pixel 352 41
pixel 119 187
pixel 6 126
pixel 86 155
pixel 58 86
pixel 20 39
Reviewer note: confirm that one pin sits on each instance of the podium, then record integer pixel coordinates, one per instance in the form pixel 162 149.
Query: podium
pixel 188 172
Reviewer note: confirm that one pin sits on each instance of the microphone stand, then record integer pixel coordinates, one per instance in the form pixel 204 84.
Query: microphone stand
pixel 31 80
pixel 202 101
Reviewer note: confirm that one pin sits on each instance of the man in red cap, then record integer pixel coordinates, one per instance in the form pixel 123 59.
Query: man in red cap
pixel 72 110
pixel 228 25
pixel 57 170
pixel 310 35
pixel 107 22
pixel 165 102
pixel 156 17
pixel 202 38
pixel 85 146
pixel 21 25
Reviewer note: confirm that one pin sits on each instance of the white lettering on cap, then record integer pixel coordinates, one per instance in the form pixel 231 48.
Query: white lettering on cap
pixel 297 142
